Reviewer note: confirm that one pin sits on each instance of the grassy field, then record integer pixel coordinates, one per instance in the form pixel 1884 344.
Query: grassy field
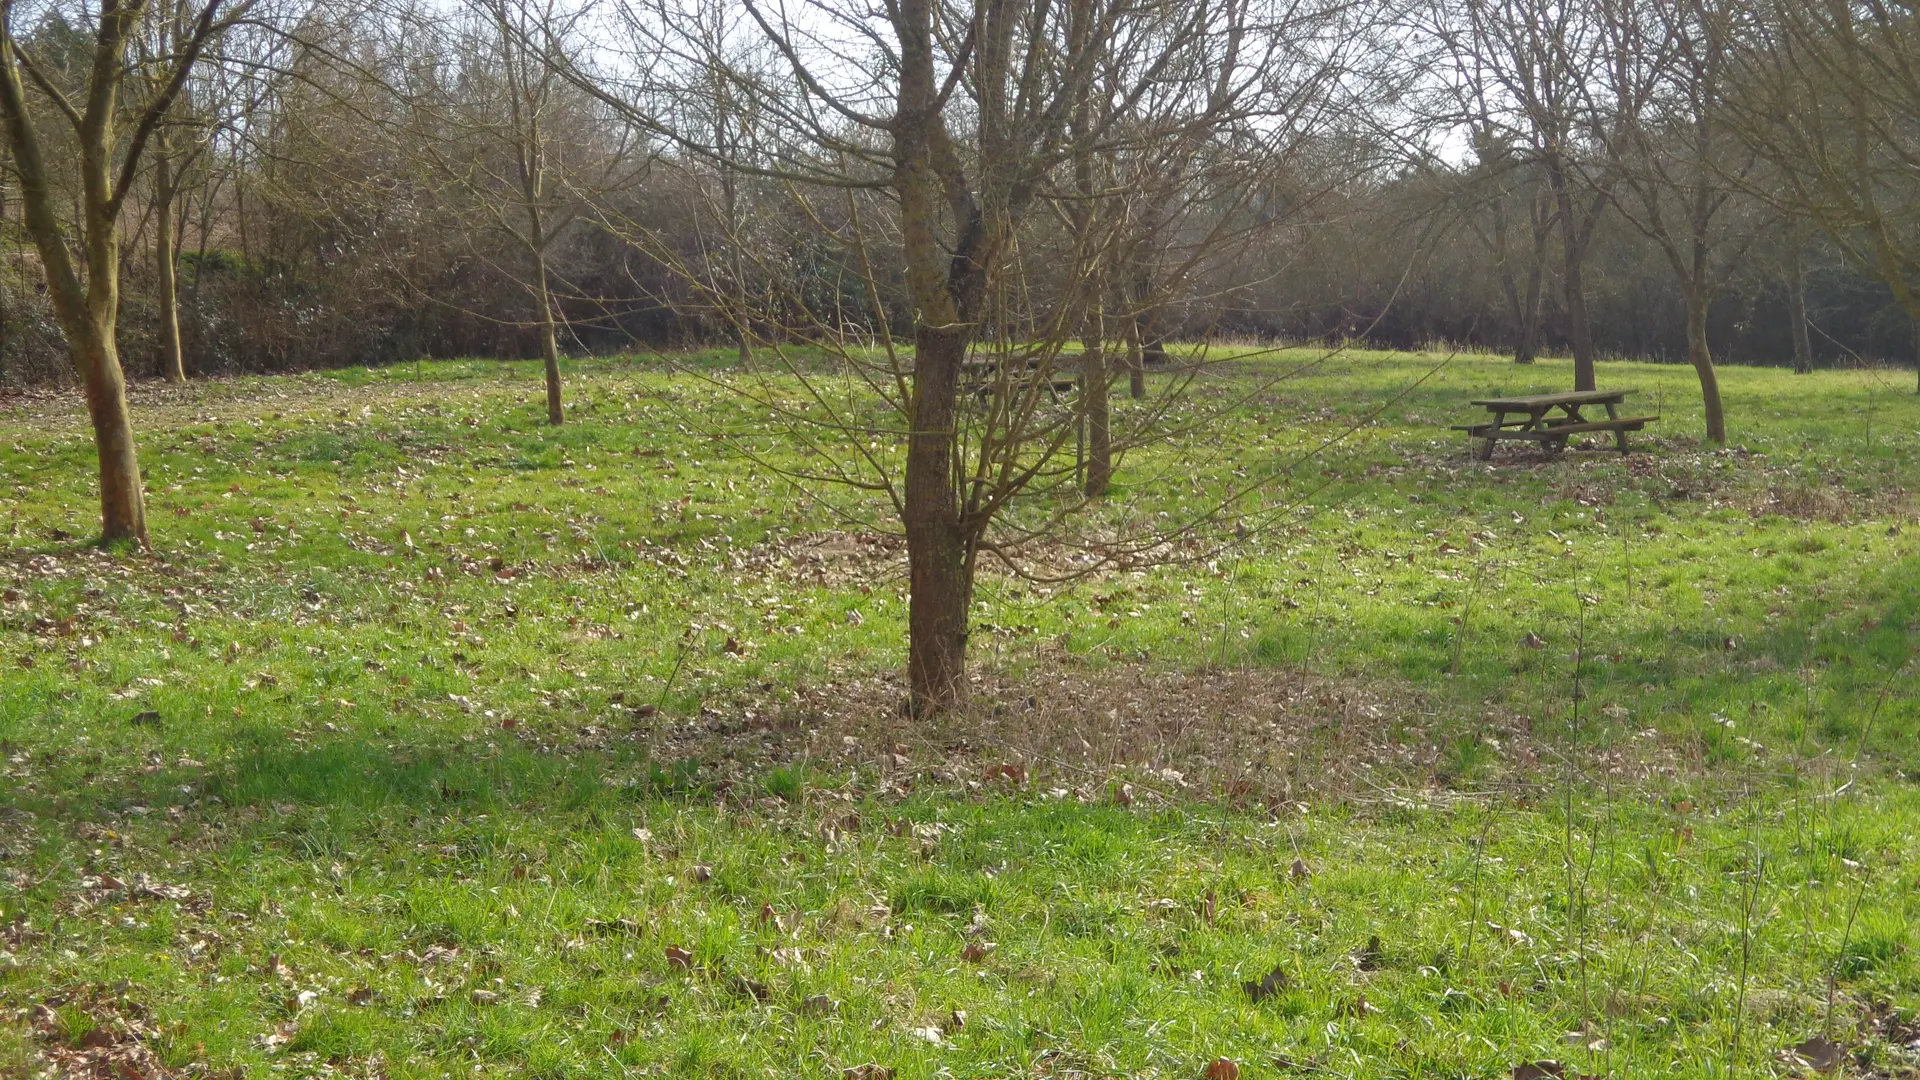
pixel 432 741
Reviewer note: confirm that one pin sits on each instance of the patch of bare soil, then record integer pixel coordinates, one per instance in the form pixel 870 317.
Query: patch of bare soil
pixel 1253 737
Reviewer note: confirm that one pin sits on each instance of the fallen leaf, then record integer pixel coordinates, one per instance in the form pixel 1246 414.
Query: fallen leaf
pixel 1274 983
pixel 1539 1070
pixel 485 997
pixel 679 957
pixel 1223 1069
pixel 746 987
pixel 956 1020
pixel 819 1005
pixel 868 1071
pixel 149 718
pixel 1010 772
pixel 1300 872
pixel 360 996
pixel 977 951
pixel 1370 957
pixel 931 1034
pixel 702 872
pixel 1820 1053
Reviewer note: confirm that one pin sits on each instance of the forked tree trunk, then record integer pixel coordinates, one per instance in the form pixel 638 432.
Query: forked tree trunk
pixel 939 567
pixel 1702 359
pixel 173 363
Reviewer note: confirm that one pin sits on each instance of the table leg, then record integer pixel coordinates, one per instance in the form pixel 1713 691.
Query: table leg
pixel 1619 434
pixel 1486 450
pixel 1559 445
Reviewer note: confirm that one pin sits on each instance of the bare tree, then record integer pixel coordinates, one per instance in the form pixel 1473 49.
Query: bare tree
pixel 512 144
pixel 111 135
pixel 1529 69
pixel 944 127
pixel 1677 169
pixel 1829 96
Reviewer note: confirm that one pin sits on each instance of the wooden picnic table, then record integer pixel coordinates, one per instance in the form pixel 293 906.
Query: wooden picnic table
pixel 1550 419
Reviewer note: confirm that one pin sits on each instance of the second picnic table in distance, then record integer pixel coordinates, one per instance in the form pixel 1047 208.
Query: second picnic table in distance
pixel 1535 420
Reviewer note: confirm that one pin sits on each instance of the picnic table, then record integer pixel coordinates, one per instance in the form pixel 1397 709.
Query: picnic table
pixel 986 374
pixel 1549 419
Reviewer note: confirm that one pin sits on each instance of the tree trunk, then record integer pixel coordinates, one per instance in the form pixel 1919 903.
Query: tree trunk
pixel 1093 397
pixel 123 507
pixel 549 340
pixel 1143 344
pixel 939 568
pixel 1523 349
pixel 173 364
pixel 1136 371
pixel 1702 359
pixel 1573 250
pixel 1524 352
pixel 1797 312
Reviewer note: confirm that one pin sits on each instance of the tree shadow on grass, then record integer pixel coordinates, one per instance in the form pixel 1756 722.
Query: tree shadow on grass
pixel 349 772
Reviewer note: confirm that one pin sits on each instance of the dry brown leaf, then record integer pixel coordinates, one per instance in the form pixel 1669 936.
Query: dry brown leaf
pixel 868 1071
pixel 746 987
pixel 1274 983
pixel 1539 1070
pixel 1371 956
pixel 1820 1053
pixel 1009 771
pixel 977 951
pixel 702 872
pixel 1223 1069
pixel 1300 871
pixel 679 957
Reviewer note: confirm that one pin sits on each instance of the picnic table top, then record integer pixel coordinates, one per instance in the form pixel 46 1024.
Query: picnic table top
pixel 1548 401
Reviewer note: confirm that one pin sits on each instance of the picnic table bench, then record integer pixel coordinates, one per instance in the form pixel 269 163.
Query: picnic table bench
pixel 1550 419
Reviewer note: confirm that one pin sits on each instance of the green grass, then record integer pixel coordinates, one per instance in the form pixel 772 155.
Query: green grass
pixel 453 725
